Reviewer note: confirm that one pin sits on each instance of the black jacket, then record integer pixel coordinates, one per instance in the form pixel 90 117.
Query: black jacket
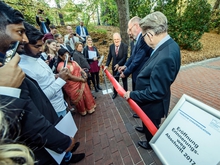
pixel 86 54
pixel 152 91
pixel 121 58
pixel 80 59
pixel 37 121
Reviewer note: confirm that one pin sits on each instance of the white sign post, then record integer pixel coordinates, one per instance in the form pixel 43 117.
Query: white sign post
pixel 190 135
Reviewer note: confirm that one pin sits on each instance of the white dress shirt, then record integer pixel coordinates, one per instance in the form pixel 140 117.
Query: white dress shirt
pixel 37 69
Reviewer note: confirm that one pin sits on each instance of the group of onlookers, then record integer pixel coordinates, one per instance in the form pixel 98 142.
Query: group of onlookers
pixel 33 85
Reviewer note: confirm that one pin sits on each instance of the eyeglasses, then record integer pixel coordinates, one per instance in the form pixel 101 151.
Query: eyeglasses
pixel 131 28
pixel 147 34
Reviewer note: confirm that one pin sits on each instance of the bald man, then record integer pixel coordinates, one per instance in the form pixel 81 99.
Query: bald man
pixel 71 38
pixel 119 52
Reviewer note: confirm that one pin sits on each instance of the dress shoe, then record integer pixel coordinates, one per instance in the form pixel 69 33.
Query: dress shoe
pixel 114 95
pixel 139 129
pixel 98 87
pixel 135 116
pixel 76 158
pixel 75 147
pixel 145 145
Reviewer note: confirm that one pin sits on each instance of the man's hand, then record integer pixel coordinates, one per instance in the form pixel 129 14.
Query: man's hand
pixel 122 75
pixel 121 68
pixel 71 145
pixel 11 74
pixel 70 36
pixel 105 68
pixel 64 74
pixel 127 95
pixel 95 58
pixel 116 67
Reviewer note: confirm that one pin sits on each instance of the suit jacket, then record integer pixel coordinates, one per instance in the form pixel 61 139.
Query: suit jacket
pixel 37 122
pixel 121 58
pixel 78 30
pixel 70 41
pixel 47 23
pixel 140 54
pixel 152 92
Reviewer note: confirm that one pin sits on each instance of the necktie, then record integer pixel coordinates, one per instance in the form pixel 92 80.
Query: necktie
pixel 135 41
pixel 116 50
pixel 83 33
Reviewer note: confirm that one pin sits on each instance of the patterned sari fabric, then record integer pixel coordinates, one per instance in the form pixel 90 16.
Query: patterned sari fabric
pixel 79 92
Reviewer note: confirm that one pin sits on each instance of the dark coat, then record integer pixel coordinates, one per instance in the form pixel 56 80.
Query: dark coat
pixel 152 91
pixel 86 54
pixel 140 54
pixel 37 121
pixel 121 58
pixel 80 59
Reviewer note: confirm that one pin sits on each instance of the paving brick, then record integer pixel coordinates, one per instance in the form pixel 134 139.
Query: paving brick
pixel 127 160
pixel 134 154
pixel 96 138
pixel 113 145
pixel 104 141
pixel 98 154
pixel 117 158
pixel 107 158
pixel 118 135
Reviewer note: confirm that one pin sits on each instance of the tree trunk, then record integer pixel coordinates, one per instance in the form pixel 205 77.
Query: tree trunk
pixel 216 5
pixel 59 13
pixel 98 17
pixel 123 12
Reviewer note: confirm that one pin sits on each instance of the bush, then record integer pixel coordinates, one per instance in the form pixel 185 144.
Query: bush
pixel 187 20
pixel 215 21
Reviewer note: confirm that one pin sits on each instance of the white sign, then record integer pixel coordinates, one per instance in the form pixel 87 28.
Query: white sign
pixel 92 54
pixel 68 127
pixel 190 135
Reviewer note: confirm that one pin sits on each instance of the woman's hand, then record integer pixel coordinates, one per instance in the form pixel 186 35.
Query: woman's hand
pixel 83 80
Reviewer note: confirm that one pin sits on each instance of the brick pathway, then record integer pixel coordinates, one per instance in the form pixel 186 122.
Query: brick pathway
pixel 108 136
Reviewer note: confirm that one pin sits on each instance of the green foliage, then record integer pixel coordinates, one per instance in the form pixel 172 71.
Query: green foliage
pixel 109 12
pixel 140 7
pixel 214 23
pixel 188 20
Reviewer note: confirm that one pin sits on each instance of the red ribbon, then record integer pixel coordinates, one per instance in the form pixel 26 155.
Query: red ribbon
pixel 145 119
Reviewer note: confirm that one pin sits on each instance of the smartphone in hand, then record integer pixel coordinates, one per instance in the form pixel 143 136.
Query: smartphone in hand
pixel 66 60
pixel 11 52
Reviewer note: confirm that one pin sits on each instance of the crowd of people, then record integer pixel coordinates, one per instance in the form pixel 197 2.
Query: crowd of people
pixel 50 74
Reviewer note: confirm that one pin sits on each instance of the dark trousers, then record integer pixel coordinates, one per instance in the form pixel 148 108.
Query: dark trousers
pixel 124 81
pixel 148 135
pixel 95 79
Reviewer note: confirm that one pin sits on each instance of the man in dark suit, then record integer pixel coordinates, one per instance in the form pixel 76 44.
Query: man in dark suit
pixel 34 113
pixel 152 91
pixel 119 52
pixel 140 53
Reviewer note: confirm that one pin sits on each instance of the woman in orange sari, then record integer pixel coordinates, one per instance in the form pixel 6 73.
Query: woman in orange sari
pixel 76 87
